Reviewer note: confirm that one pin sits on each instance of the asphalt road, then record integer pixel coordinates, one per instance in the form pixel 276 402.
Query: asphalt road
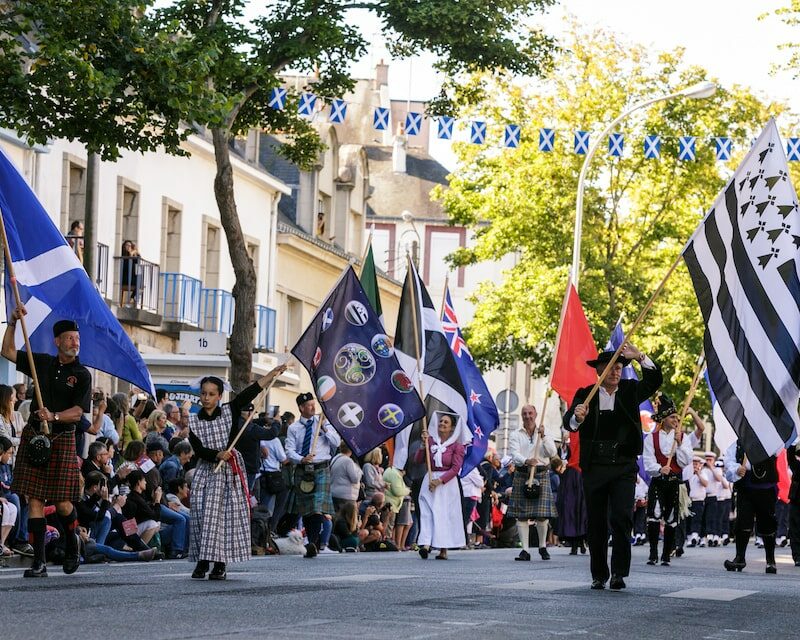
pixel 475 594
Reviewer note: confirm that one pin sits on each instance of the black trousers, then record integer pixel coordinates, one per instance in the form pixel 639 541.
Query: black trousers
pixel 609 491
pixel 758 505
pixel 794 531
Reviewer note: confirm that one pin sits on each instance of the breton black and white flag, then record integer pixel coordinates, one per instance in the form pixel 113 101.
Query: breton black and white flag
pixel 441 387
pixel 743 260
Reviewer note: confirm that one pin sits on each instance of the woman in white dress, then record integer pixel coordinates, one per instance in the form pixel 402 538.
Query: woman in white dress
pixel 441 522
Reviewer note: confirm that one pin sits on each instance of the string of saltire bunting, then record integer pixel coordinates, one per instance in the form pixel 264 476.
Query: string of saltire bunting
pixel 651 145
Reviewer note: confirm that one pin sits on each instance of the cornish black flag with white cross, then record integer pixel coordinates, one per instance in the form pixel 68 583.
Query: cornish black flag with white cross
pixel 363 390
pixel 482 415
pixel 743 260
pixel 441 386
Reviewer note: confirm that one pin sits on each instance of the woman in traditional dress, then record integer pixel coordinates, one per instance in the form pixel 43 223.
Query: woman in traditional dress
pixel 220 517
pixel 441 522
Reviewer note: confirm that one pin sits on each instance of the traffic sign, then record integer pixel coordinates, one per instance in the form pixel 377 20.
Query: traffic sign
pixel 507 396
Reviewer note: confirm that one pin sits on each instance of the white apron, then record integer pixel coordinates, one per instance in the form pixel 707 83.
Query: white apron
pixel 441 524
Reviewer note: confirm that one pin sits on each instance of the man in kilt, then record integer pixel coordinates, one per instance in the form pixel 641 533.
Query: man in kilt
pixel 531 449
pixel 66 387
pixel 312 475
pixel 610 431
pixel 666 453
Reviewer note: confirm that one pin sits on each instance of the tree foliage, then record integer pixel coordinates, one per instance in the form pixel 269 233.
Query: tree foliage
pixel 638 213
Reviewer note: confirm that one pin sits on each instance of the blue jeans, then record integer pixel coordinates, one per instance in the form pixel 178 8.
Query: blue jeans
pixel 114 554
pixel 21 524
pixel 174 529
pixel 100 529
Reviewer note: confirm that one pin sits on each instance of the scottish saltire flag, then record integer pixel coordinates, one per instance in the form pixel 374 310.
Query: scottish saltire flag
pixel 511 136
pixel 338 111
pixel 723 147
pixel 369 282
pixel 442 389
pixel 54 286
pixel 363 390
pixel 793 149
pixel 547 139
pixel 482 415
pixel 413 123
pixel 445 127
pixel 477 132
pixel 307 104
pixel 686 149
pixel 277 98
pixel 380 118
pixel 616 144
pixel 652 147
pixel 581 144
pixel 743 261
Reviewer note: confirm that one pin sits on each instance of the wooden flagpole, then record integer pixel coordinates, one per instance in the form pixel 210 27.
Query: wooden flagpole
pixel 701 361
pixel 633 329
pixel 13 279
pixel 412 274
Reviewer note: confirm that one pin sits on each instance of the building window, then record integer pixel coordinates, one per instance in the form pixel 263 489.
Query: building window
pixel 171 219
pixel 209 269
pixel 441 242
pixel 294 321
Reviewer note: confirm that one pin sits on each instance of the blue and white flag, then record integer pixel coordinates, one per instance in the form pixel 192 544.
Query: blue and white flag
pixel 581 142
pixel 380 118
pixel 723 147
pixel 277 98
pixel 546 139
pixel 482 415
pixel 511 136
pixel 686 148
pixel 616 143
pixel 477 132
pixel 359 383
pixel 338 111
pixel 744 264
pixel 446 127
pixel 793 149
pixel 413 123
pixel 307 104
pixel 652 147
pixel 54 286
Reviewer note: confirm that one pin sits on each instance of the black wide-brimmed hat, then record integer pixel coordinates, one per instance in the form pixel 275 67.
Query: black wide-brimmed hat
pixel 666 408
pixel 605 357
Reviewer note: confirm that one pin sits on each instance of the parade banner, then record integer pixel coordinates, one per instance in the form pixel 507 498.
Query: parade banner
pixel 53 286
pixel 359 383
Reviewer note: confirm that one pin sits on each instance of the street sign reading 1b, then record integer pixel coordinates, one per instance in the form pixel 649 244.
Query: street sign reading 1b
pixel 507 396
pixel 205 343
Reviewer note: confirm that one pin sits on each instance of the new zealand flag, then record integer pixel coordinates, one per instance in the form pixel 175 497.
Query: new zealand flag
pixel 482 416
pixel 363 390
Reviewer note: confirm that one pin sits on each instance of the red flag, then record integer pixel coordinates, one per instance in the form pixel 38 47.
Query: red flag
pixel 574 346
pixel 784 479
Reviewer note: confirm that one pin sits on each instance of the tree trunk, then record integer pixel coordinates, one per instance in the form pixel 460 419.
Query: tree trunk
pixel 244 290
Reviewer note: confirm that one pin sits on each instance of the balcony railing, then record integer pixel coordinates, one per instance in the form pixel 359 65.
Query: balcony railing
pixel 216 310
pixel 265 328
pixel 137 283
pixel 180 298
pixel 102 269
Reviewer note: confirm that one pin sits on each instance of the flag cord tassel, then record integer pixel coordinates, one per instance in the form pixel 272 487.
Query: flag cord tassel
pixel 415 326
pixel 633 329
pixel 13 279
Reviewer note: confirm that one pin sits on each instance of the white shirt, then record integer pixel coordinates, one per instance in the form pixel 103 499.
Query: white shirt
pixel 683 453
pixel 520 446
pixel 714 484
pixel 327 439
pixel 640 492
pixel 275 455
pixel 607 399
pixel 696 489
pixel 472 484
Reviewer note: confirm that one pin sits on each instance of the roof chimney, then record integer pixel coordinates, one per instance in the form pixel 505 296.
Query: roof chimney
pixel 381 74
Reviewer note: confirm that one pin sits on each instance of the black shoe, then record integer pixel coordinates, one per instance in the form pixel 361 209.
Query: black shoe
pixel 523 556
pixel 200 570
pixel 543 552
pixel 22 548
pixel 71 564
pixel 771 568
pixel 652 560
pixel 37 570
pixel 218 572
pixel 616 583
pixel 178 555
pixel 598 584
pixel 678 553
pixel 574 551
pixel 692 542
pixel 726 542
pixel 423 552
pixel 734 565
pixel 797 563
pixel 311 550
pixel 583 548
pixel 664 562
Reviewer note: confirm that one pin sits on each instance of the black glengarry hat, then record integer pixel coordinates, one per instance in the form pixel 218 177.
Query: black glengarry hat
pixel 63 326
pixel 605 357
pixel 302 398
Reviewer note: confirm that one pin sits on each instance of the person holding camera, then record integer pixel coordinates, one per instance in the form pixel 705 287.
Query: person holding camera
pixel 66 387
pixel 531 450
pixel 610 431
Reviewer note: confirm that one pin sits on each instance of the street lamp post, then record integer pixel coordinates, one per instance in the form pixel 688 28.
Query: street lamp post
pixel 408 217
pixel 700 90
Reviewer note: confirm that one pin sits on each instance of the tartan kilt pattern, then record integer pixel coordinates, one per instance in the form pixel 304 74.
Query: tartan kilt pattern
pixel 58 480
pixel 318 501
pixel 220 515
pixel 523 509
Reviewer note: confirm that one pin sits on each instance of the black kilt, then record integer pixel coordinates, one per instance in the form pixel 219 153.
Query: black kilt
pixel 58 480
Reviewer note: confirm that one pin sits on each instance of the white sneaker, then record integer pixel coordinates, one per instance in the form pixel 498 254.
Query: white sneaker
pixel 325 551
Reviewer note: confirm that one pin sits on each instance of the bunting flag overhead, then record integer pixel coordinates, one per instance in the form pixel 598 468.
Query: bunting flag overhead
pixel 616 143
pixel 722 148
pixel 338 111
pixel 652 147
pixel 581 142
pixel 54 286
pixel 482 415
pixel 413 123
pixel 793 149
pixel 359 383
pixel 445 128
pixel 686 148
pixel 380 118
pixel 743 261
pixel 546 140
pixel 277 99
pixel 477 132
pixel 511 136
pixel 442 388
pixel 308 101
